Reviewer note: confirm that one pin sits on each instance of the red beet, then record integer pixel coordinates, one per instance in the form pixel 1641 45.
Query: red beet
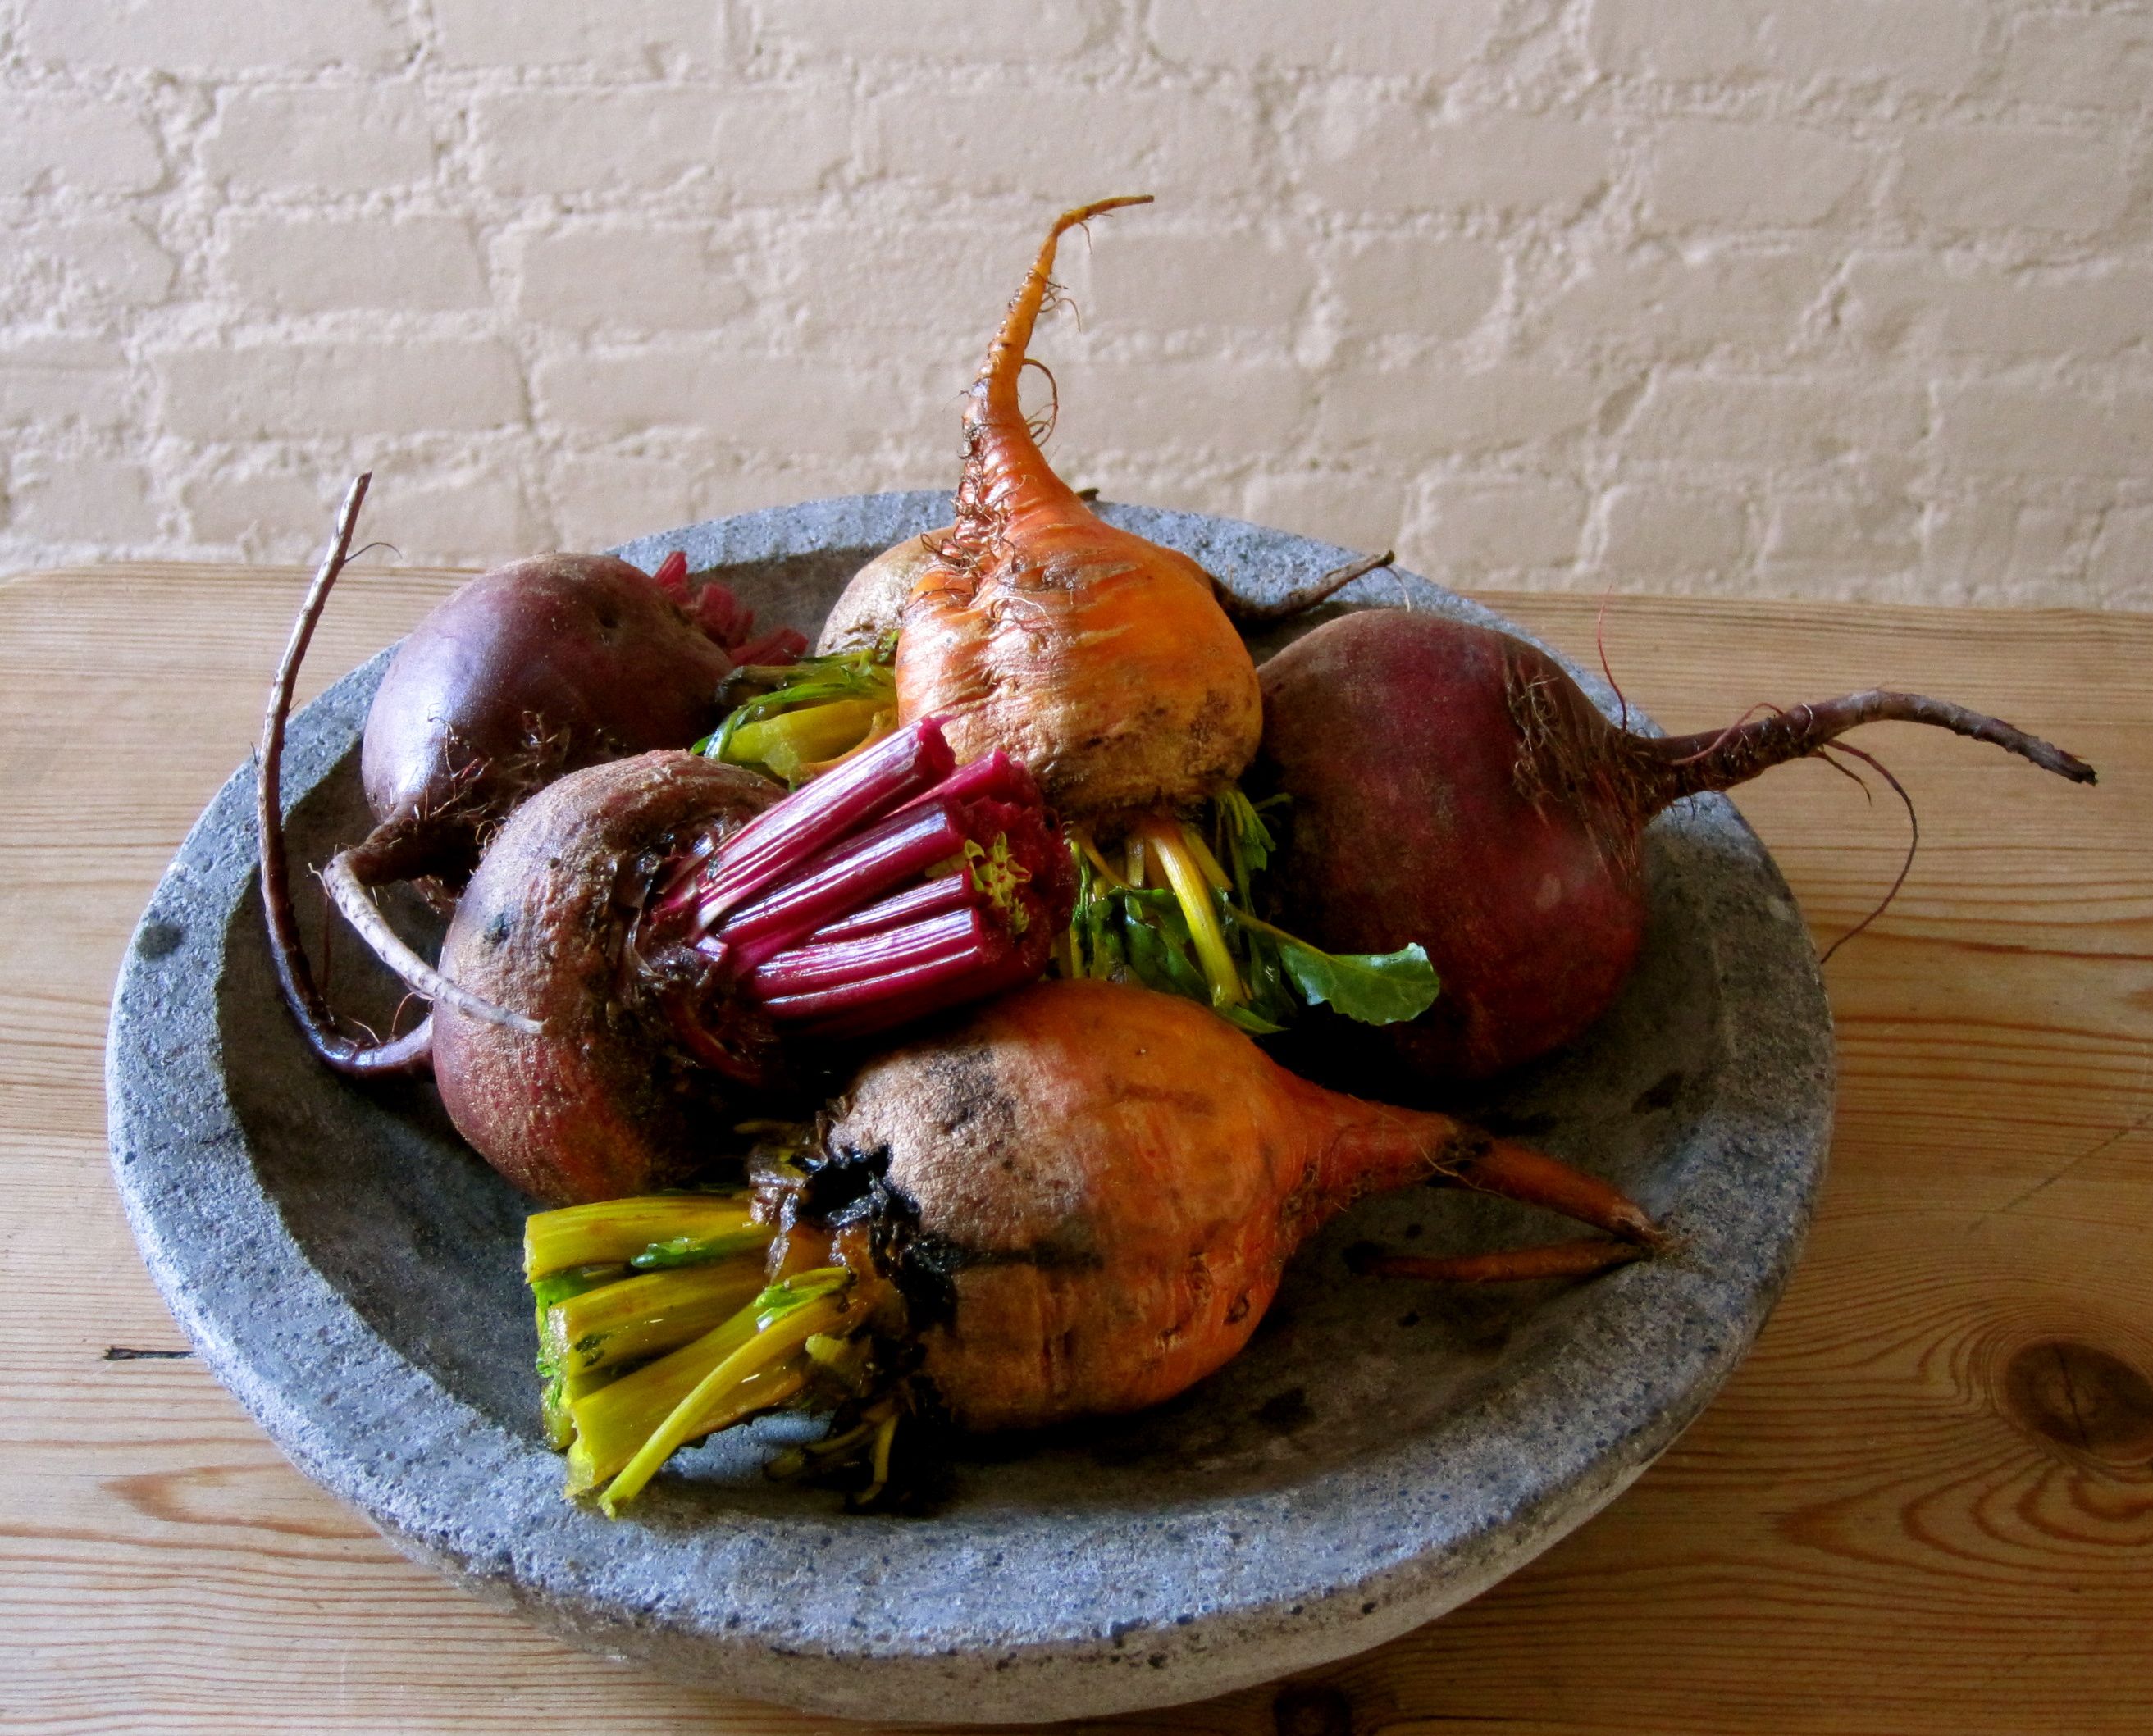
pixel 537 669
pixel 531 671
pixel 1451 786
pixel 655 929
pixel 601 1101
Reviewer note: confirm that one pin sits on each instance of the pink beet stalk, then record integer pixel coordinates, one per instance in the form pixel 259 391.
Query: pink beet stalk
pixel 930 898
pixel 672 576
pixel 864 788
pixel 906 996
pixel 846 876
pixel 901 993
pixel 997 777
pixel 781 645
pixel 889 887
pixel 808 969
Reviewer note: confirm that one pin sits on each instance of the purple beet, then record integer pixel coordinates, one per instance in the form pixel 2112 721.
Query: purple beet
pixel 537 669
pixel 642 938
pixel 1451 786
pixel 532 671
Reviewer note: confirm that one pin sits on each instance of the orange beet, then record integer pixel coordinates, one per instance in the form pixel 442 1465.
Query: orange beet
pixel 1101 661
pixel 1093 1190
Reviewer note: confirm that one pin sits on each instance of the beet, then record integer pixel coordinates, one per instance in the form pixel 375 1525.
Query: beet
pixel 1100 660
pixel 602 1101
pixel 872 605
pixel 642 937
pixel 538 668
pixel 1078 1201
pixel 531 671
pixel 1105 1185
pixel 1451 786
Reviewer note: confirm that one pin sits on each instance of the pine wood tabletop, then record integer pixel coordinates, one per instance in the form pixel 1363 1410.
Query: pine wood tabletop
pixel 1924 1504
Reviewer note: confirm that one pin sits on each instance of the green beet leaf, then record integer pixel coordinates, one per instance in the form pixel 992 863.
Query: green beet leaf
pixel 1375 988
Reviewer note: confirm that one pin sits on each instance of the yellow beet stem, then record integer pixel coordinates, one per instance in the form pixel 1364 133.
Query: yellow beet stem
pixel 614 1230
pixel 707 1407
pixel 1166 840
pixel 646 1316
pixel 765 1390
pixel 885 721
pixel 1104 868
pixel 563 1392
pixel 792 742
pixel 878 1472
pixel 611 1424
pixel 1204 859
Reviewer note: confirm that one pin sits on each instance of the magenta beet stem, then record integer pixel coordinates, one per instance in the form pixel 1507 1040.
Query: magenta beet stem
pixel 869 961
pixel 944 979
pixel 672 576
pixel 781 645
pixel 901 998
pixel 677 889
pixel 931 897
pixel 775 843
pixel 995 778
pixel 845 877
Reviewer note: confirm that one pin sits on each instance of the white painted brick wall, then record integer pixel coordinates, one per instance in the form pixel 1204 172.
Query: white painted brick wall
pixel 1843 297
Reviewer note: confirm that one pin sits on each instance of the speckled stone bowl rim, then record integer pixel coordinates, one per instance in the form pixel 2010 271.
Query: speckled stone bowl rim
pixel 1347 1557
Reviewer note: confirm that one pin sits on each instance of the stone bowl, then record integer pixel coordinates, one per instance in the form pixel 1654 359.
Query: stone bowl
pixel 1379 1453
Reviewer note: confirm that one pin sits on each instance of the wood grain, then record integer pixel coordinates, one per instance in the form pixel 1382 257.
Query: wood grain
pixel 1925 1504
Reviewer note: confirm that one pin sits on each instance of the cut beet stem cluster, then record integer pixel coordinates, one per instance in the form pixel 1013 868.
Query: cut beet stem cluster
pixel 892 886
pixel 657 1326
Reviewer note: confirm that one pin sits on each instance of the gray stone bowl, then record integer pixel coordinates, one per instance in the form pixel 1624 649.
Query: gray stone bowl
pixel 1378 1455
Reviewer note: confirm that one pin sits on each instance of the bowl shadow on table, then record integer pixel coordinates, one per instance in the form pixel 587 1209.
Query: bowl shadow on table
pixel 423 1242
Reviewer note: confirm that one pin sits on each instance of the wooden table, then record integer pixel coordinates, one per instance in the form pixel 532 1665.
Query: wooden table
pixel 1925 1504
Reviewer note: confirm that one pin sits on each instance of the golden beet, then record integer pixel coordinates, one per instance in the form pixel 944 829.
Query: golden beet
pixel 1101 661
pixel 1109 1182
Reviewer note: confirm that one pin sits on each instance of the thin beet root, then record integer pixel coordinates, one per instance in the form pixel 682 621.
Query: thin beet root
pixel 1720 758
pixel 410 1052
pixel 1451 785
pixel 1580 1259
pixel 1245 614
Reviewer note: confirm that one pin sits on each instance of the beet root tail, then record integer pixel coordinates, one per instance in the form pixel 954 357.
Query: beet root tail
pixel 1380 1147
pixel 1691 765
pixel 372 927
pixel 1003 464
pixel 1245 613
pixel 410 1052
pixel 1532 1177
pixel 1581 1259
